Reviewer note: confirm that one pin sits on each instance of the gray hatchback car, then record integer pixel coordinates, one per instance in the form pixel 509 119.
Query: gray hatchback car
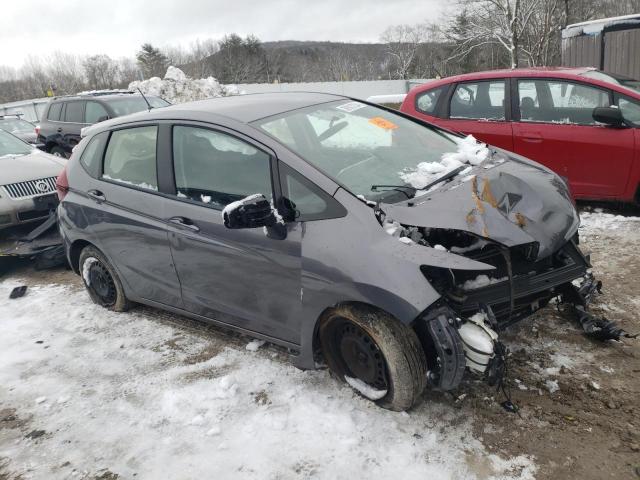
pixel 358 237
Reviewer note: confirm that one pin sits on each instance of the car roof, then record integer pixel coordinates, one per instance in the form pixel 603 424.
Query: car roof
pixel 561 72
pixel 238 108
pixel 248 108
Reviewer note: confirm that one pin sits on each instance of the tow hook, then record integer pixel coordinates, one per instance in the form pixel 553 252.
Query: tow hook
pixel 577 300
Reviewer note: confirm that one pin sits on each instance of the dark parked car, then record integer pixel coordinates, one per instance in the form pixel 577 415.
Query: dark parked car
pixel 65 117
pixel 25 131
pixel 392 250
pixel 582 123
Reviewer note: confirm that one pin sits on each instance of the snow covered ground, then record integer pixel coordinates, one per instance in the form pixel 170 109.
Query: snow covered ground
pixel 97 392
pixel 89 394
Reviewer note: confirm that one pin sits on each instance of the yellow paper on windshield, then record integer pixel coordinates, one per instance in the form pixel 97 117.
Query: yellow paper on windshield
pixel 383 123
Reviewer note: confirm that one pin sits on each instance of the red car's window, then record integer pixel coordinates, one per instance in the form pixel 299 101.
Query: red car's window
pixel 426 102
pixel 478 101
pixel 630 110
pixel 554 101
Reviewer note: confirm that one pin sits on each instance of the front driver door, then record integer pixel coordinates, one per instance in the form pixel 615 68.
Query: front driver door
pixel 242 277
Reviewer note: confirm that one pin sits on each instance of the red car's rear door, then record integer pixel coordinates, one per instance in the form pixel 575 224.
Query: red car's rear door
pixel 480 108
pixel 556 128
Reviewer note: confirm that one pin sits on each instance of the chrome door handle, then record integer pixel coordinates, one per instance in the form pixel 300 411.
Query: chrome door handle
pixel 185 223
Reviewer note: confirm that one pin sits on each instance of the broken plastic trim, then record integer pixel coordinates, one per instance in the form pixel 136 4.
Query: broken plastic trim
pixel 577 300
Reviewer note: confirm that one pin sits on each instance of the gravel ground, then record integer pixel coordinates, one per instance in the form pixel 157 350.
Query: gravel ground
pixel 147 394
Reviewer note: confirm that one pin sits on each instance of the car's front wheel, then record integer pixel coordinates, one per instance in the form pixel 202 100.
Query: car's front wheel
pixel 375 354
pixel 101 280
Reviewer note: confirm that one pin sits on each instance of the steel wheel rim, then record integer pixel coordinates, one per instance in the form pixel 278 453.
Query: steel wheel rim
pixel 102 285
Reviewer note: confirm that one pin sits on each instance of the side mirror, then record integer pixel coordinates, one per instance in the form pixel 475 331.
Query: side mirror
pixel 103 118
pixel 611 116
pixel 251 212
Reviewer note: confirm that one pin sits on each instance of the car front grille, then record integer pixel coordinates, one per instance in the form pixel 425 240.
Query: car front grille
pixel 31 188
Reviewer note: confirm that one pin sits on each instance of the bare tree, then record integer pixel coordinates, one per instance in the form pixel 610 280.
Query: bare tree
pixel 493 22
pixel 101 72
pixel 403 42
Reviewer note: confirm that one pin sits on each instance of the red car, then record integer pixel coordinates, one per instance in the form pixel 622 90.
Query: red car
pixel 582 123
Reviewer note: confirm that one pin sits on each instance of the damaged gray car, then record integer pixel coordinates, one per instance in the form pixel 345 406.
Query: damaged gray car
pixel 388 249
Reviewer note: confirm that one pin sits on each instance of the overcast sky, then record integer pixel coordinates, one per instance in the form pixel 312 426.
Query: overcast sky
pixel 119 27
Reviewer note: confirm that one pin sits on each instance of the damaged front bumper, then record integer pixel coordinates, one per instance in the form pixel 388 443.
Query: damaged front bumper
pixel 462 331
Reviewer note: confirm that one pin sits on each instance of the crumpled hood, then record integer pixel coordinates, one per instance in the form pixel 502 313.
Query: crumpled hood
pixel 509 199
pixel 33 166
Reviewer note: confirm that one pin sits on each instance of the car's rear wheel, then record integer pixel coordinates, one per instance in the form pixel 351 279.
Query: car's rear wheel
pixel 377 355
pixel 101 280
pixel 58 152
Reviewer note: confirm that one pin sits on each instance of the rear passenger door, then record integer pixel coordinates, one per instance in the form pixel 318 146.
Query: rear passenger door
pixel 124 211
pixel 73 114
pixel 555 127
pixel 240 277
pixel 479 108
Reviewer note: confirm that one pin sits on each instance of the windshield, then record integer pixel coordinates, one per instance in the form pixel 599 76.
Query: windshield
pixel 133 104
pixel 10 145
pixel 15 125
pixel 361 146
pixel 614 80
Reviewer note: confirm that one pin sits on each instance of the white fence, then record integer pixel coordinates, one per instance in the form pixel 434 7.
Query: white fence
pixel 363 89
pixel 32 109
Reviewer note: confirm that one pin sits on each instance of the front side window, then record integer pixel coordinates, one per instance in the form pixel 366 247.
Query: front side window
pixel 94 112
pixel 426 102
pixel 360 145
pixel 552 101
pixel 630 110
pixel 216 169
pixel 309 201
pixel 74 112
pixel 131 157
pixel 479 101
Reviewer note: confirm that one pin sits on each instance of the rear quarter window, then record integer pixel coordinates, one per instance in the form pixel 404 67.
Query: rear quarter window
pixel 427 101
pixel 91 158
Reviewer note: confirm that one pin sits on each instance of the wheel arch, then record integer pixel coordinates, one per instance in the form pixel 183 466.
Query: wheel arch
pixel 74 253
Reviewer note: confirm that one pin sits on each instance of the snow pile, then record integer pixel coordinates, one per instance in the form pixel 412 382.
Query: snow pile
pixel 469 152
pixel 481 281
pixel 137 395
pixel 176 87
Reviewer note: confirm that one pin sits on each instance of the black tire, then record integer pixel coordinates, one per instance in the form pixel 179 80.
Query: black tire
pixel 353 338
pixel 101 280
pixel 58 152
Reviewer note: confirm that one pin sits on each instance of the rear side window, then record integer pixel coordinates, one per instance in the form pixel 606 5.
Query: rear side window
pixel 310 202
pixel 131 157
pixel 94 112
pixel 92 155
pixel 552 101
pixel 479 101
pixel 216 169
pixel 426 102
pixel 74 112
pixel 54 112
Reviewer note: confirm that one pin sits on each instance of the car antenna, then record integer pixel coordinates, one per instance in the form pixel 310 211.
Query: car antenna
pixel 145 99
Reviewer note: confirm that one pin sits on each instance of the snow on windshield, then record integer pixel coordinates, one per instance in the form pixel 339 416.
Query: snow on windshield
pixel 469 152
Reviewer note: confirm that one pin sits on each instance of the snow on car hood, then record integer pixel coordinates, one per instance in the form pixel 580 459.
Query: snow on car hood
pixel 33 166
pixel 507 199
